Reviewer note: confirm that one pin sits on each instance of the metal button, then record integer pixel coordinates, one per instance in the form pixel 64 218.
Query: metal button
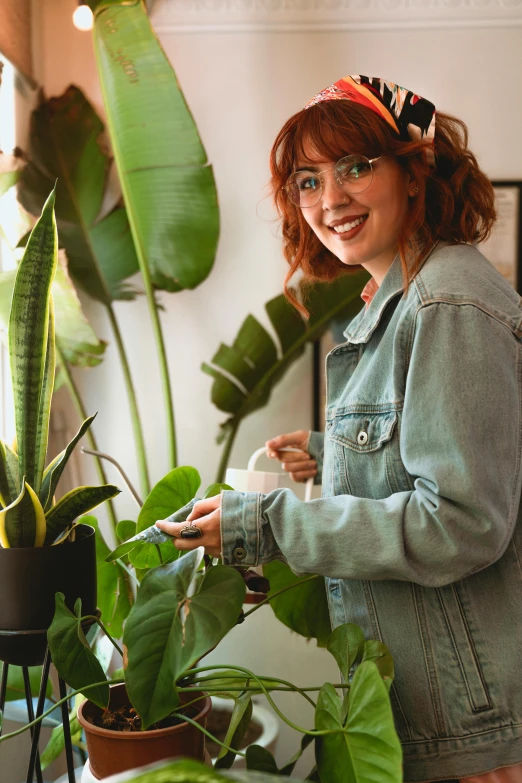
pixel 362 438
pixel 239 553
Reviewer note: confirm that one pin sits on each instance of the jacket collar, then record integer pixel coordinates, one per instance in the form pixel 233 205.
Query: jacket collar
pixel 362 327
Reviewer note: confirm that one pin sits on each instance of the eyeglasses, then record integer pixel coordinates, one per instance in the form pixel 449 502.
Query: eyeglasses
pixel 353 173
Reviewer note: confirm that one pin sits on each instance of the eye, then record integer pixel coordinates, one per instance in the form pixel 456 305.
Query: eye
pixel 354 169
pixel 307 181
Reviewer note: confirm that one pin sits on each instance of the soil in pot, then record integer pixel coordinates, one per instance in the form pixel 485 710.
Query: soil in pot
pixel 218 723
pixel 126 718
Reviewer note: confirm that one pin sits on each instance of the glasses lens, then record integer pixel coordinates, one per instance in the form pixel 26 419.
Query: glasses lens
pixel 304 188
pixel 354 173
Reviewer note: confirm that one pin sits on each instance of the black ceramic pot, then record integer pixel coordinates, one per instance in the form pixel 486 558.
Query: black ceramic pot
pixel 29 579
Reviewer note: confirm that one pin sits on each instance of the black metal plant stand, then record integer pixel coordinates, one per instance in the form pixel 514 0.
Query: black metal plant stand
pixel 34 756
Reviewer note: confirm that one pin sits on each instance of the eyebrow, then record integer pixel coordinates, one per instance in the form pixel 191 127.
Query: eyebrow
pixel 308 168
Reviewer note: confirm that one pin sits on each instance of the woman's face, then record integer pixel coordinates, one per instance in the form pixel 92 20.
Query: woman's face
pixel 379 212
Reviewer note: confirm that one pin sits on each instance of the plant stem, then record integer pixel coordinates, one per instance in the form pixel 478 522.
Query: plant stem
pixel 82 415
pixel 286 686
pixel 105 631
pixel 207 733
pixel 225 456
pixel 135 417
pixel 279 592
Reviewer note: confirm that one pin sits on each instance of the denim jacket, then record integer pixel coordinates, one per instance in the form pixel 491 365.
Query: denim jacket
pixel 416 531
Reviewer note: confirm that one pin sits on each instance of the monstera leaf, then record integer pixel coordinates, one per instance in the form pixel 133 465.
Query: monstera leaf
pixel 66 144
pixel 246 372
pixel 167 182
pixel 172 624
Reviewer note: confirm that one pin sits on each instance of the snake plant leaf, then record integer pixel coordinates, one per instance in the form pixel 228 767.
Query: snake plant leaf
pixel 168 185
pixel 75 503
pixel 171 626
pixel 367 746
pixel 303 609
pixel 346 644
pixel 170 494
pixel 23 524
pixel 28 337
pixel 72 656
pixel 46 394
pixel 246 372
pixel 75 338
pixel 66 143
pixel 9 479
pixel 55 468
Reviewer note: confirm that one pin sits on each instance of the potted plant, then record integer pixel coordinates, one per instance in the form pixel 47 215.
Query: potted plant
pixel 38 536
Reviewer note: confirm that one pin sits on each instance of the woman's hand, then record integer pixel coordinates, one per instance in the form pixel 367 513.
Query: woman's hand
pixel 300 465
pixel 206 515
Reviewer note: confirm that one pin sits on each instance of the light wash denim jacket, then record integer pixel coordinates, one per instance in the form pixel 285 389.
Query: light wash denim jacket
pixel 416 532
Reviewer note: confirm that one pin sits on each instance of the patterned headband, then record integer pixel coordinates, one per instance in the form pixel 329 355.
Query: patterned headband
pixel 411 116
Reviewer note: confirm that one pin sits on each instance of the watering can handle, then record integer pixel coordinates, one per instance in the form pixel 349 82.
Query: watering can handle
pixel 263 450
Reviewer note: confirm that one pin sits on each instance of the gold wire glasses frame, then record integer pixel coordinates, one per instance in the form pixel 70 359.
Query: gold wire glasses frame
pixel 353 173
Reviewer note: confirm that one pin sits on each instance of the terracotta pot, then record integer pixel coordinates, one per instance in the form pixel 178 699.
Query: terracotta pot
pixel 111 751
pixel 29 579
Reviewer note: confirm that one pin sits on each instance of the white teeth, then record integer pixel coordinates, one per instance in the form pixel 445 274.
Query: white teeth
pixel 348 226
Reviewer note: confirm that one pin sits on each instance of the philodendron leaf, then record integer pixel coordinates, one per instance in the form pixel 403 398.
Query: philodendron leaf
pixel 113 598
pixel 380 655
pixel 125 529
pixel 304 609
pixel 171 493
pixel 260 759
pixel 28 338
pixel 216 489
pixel 185 771
pixel 366 746
pixel 72 656
pixel 56 743
pixel 75 503
pixel 169 628
pixel 239 723
pixel 55 468
pixel 346 644
pixel 23 523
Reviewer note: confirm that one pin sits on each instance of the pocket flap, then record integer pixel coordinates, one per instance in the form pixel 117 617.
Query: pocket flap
pixel 362 431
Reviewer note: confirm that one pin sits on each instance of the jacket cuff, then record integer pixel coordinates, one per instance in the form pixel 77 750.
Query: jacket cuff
pixel 246 540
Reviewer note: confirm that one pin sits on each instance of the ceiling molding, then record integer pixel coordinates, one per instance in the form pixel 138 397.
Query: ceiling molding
pixel 238 16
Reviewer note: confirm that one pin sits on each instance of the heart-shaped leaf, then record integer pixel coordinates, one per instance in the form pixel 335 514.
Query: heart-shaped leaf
pixel 170 627
pixel 346 643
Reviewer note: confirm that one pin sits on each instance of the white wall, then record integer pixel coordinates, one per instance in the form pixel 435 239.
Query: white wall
pixel 241 85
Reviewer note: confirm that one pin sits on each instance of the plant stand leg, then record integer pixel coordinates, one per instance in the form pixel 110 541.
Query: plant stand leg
pixel 30 715
pixel 3 689
pixel 34 755
pixel 67 732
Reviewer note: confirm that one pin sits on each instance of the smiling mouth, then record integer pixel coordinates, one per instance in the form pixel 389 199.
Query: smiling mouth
pixel 348 226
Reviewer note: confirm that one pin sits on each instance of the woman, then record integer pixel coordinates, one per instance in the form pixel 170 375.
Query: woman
pixel 416 531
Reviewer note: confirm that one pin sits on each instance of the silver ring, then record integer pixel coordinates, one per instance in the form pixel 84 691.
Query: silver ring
pixel 191 531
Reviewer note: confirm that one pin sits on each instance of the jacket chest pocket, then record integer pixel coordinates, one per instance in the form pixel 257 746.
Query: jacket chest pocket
pixel 365 454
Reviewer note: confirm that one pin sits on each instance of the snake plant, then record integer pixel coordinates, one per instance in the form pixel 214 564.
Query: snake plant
pixel 29 516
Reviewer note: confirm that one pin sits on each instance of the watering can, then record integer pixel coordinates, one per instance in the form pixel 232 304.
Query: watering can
pixel 252 480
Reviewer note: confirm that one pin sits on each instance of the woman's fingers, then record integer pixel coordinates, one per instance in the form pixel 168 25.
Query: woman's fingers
pixel 303 475
pixel 206 516
pixel 296 440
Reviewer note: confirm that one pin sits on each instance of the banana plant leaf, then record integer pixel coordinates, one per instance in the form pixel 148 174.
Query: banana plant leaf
pixel 9 172
pixel 66 144
pixel 167 182
pixel 30 336
pixel 246 372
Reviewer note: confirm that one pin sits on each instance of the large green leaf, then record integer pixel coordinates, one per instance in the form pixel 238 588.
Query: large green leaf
pixel 246 372
pixel 346 644
pixel 75 503
pixel 170 627
pixel 74 335
pixel 170 494
pixel 185 771
pixel 304 609
pixel 66 144
pixel 366 748
pixel 28 335
pixel 238 726
pixel 72 656
pixel 167 183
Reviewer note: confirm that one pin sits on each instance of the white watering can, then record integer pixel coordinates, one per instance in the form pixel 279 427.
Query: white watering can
pixel 252 480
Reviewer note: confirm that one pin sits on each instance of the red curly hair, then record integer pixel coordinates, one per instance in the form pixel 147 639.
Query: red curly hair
pixel 455 201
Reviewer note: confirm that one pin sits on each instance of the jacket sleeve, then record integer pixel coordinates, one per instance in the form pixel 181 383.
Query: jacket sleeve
pixel 460 442
pixel 315 448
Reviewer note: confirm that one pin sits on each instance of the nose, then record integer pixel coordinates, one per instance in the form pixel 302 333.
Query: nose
pixel 333 195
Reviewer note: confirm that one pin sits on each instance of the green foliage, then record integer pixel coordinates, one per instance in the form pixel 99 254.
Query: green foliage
pixel 238 726
pixel 246 372
pixel 346 644
pixel 75 503
pixel 303 609
pixel 72 656
pixel 15 682
pixel 167 183
pixel 114 601
pixel 169 628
